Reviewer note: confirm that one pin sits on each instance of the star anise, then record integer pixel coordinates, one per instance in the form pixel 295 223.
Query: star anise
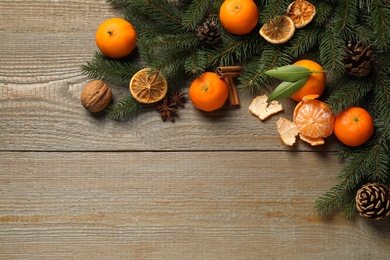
pixel 166 110
pixel 177 99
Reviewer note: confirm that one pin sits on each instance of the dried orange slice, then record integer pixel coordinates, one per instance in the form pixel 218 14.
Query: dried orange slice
pixel 314 120
pixel 278 30
pixel 148 86
pixel 301 12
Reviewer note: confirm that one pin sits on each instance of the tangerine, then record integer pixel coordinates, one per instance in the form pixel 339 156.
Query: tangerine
pixel 314 119
pixel 116 38
pixel 239 16
pixel 208 92
pixel 354 126
pixel 316 83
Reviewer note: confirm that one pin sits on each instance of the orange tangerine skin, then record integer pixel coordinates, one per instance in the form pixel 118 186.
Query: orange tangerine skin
pixel 208 92
pixel 239 16
pixel 354 126
pixel 116 38
pixel 316 83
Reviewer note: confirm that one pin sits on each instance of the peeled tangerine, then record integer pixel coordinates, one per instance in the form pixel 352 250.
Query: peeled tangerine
pixel 313 121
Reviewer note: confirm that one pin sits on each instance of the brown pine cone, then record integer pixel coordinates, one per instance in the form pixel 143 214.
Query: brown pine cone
pixel 209 32
pixel 373 201
pixel 359 59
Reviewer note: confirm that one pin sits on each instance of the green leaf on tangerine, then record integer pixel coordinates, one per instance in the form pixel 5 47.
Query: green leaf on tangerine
pixel 286 89
pixel 289 73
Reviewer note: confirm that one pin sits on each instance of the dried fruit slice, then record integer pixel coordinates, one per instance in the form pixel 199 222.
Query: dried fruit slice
pixel 262 109
pixel 288 131
pixel 148 86
pixel 301 12
pixel 278 30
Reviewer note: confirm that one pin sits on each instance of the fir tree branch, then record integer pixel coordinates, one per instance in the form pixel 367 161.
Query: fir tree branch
pixel 361 32
pixel 365 5
pixel 235 49
pixel 303 41
pixel 331 200
pixel 253 76
pixel 382 99
pixel 124 108
pixel 345 18
pixel 354 168
pixel 332 52
pixel 175 42
pixel 145 28
pixel 171 64
pixel 380 16
pixel 349 93
pixel 164 52
pixel 157 11
pixel 272 9
pixel 349 208
pixel 196 63
pixel 323 13
pixel 195 13
pixel 117 72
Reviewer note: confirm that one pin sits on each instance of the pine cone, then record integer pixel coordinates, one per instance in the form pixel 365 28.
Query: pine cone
pixel 358 63
pixel 209 32
pixel 373 201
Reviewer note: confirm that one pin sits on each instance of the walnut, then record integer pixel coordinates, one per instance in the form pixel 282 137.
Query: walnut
pixel 96 96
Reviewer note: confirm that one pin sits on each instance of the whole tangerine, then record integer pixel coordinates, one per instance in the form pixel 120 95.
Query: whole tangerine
pixel 116 38
pixel 354 126
pixel 208 92
pixel 239 16
pixel 316 83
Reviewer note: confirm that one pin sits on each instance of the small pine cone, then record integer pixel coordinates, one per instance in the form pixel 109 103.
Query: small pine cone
pixel 373 201
pixel 359 59
pixel 209 32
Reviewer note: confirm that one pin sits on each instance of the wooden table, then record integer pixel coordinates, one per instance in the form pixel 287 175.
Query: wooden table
pixel 209 186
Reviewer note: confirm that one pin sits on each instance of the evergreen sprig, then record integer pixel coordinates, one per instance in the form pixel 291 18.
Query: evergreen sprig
pixel 167 40
pixel 117 72
pixel 195 14
pixel 124 108
pixel 347 93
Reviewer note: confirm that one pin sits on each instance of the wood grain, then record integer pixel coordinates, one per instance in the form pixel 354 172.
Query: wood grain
pixel 219 185
pixel 175 205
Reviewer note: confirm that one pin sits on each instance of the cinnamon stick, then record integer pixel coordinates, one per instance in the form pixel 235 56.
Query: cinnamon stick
pixel 233 74
pixel 233 98
pixel 228 73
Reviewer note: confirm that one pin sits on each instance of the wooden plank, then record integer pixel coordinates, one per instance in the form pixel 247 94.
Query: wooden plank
pixel 44 40
pixel 50 117
pixel 176 205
